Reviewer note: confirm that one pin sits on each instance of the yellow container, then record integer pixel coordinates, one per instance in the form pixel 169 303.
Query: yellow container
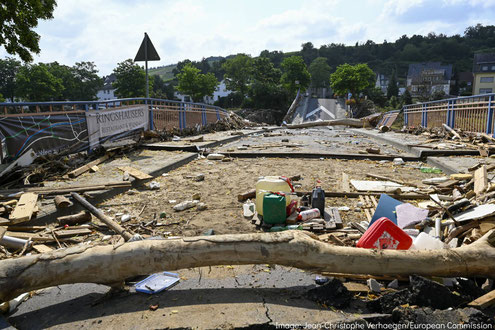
pixel 270 184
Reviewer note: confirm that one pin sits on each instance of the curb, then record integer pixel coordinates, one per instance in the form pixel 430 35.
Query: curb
pixel 431 157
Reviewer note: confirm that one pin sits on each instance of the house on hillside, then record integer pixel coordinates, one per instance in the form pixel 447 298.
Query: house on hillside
pixel 382 82
pixel 107 92
pixel 424 79
pixel 484 73
pixel 220 91
pixel 465 83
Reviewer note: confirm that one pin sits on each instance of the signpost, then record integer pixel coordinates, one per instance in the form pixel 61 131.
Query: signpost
pixel 147 52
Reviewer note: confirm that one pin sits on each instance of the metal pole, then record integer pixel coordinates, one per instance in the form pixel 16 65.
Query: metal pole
pixel 146 64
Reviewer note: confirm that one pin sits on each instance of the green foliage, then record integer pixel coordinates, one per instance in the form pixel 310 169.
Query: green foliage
pixel 276 57
pixel 392 88
pixel 86 81
pixel 352 78
pixel 37 84
pixel 320 72
pixel 161 90
pixel 308 52
pixel 375 94
pixel 17 22
pixel 131 80
pixel 1 98
pixel 295 74
pixel 238 72
pixel 8 70
pixel 406 97
pixel 196 84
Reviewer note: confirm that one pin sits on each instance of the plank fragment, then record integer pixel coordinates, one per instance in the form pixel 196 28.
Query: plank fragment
pixel 480 180
pixel 135 173
pixel 484 301
pixel 24 209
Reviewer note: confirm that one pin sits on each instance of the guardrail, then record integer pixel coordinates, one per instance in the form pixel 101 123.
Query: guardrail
pixel 74 126
pixel 469 113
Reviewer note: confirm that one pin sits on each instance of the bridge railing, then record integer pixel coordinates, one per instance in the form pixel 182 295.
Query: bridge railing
pixel 469 113
pixel 47 127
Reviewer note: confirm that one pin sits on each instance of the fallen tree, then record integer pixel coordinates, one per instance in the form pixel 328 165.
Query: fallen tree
pixel 353 122
pixel 111 264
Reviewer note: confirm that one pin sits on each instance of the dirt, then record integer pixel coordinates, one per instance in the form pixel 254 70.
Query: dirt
pixel 225 180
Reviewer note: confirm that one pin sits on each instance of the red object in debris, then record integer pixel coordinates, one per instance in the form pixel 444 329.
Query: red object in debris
pixel 384 234
pixel 291 208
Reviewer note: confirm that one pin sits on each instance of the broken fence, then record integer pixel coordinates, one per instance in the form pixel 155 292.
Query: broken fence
pixel 54 127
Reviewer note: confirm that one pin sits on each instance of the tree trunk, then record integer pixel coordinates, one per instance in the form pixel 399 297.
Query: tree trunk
pixel 110 264
pixel 334 122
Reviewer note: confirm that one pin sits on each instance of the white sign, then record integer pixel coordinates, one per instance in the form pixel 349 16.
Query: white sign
pixel 102 123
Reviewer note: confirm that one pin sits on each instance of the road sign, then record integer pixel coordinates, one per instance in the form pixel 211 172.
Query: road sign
pixel 147 52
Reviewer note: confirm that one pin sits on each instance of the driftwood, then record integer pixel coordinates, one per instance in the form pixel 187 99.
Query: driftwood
pixel 107 264
pixel 353 122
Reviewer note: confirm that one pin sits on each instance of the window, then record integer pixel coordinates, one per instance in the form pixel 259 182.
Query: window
pixel 485 90
pixel 484 68
pixel 493 67
pixel 486 79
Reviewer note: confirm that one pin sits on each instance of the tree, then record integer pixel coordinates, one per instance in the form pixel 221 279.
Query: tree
pixel 18 20
pixel 308 52
pixel 64 73
pixel 406 97
pixel 238 73
pixel 8 70
pixel 375 94
pixel 131 80
pixel 352 79
pixel 195 84
pixel 87 81
pixel 36 83
pixel 264 89
pixel 320 72
pixel 392 88
pixel 295 74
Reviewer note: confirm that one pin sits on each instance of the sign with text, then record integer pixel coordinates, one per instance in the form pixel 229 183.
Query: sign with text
pixel 105 123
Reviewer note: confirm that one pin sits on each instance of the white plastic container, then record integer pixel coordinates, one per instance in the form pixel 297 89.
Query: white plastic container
pixel 427 242
pixel 270 184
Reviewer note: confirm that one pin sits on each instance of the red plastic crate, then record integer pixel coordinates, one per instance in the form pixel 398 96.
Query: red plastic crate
pixel 384 234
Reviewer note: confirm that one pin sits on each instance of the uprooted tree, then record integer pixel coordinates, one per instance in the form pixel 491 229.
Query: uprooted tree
pixel 112 264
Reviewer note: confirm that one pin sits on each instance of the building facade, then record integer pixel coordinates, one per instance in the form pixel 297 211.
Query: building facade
pixel 108 91
pixel 484 73
pixel 424 79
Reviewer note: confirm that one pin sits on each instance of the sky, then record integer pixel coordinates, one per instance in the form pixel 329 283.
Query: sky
pixel 110 31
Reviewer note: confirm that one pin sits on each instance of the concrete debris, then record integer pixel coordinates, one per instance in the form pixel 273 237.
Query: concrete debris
pixel 215 157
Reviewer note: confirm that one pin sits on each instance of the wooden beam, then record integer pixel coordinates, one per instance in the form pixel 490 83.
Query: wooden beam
pixel 484 301
pixel 24 209
pixel 83 169
pixel 480 180
pixel 345 183
pixel 135 173
pixel 67 189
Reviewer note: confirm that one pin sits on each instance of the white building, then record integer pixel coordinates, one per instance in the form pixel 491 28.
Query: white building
pixel 108 91
pixel 220 91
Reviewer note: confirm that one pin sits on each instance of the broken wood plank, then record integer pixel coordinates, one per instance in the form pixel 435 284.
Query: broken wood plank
pixel 451 131
pixel 345 183
pixel 66 189
pixel 484 301
pixel 32 236
pixel 42 248
pixel 100 215
pixel 354 287
pixel 374 201
pixel 26 228
pixel 402 196
pixel 73 232
pixel 480 180
pixel 3 230
pixel 88 166
pixel 24 209
pixel 386 178
pixel 135 173
pixel 447 184
pixel 246 195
